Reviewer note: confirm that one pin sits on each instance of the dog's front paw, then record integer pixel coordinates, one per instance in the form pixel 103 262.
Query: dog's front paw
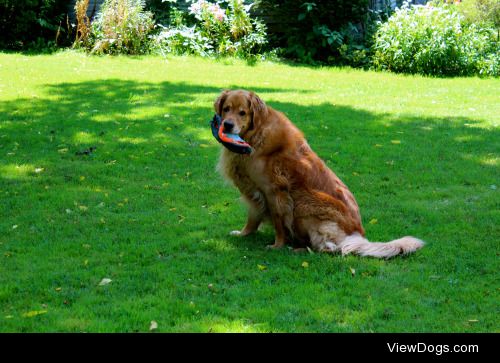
pixel 235 233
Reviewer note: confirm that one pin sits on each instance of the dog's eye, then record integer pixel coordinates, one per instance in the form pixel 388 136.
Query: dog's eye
pixel 226 109
pixel 242 113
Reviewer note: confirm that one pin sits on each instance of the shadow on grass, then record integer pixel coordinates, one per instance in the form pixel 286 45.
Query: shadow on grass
pixel 151 129
pixel 150 187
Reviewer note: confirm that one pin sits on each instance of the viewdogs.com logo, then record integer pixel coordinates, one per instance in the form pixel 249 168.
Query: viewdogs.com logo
pixel 437 349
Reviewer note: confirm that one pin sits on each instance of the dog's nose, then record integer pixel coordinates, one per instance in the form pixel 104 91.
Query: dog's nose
pixel 228 125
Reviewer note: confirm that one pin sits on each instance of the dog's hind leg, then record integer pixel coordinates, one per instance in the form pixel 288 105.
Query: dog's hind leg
pixel 324 236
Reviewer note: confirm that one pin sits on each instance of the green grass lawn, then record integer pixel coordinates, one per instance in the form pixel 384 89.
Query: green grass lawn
pixel 147 209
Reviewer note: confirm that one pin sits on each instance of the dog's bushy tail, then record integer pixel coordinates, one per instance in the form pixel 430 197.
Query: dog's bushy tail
pixel 359 245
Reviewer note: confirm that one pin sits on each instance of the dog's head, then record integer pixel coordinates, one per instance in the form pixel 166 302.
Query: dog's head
pixel 241 111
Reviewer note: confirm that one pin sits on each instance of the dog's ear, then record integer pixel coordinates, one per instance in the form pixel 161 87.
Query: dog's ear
pixel 259 110
pixel 219 102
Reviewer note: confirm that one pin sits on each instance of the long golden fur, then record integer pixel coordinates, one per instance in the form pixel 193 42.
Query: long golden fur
pixel 284 181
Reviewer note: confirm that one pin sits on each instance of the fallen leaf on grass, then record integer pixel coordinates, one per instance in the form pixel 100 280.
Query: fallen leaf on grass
pixel 58 289
pixel 153 326
pixel 262 267
pixel 33 313
pixel 15 226
pixel 105 281
pixel 395 142
pixel 305 264
pixel 373 221
pixel 353 271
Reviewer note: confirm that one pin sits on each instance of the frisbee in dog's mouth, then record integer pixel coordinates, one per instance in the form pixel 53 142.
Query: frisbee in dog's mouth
pixel 232 142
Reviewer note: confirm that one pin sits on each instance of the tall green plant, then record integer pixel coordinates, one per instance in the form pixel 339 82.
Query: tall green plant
pixel 122 26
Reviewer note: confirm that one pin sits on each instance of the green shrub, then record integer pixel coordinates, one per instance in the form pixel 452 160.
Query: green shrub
pixel 32 23
pixel 121 26
pixel 182 40
pixel 160 9
pixel 210 30
pixel 319 31
pixel 435 40
pixel 483 12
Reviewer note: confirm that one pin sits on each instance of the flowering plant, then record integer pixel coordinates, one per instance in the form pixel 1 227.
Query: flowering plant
pixel 223 31
pixel 203 11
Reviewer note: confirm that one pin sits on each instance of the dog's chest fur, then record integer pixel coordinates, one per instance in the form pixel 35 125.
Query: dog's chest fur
pixel 237 169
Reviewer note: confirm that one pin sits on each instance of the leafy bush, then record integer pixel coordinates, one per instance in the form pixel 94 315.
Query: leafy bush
pixel 484 12
pixel 435 40
pixel 208 29
pixel 183 40
pixel 315 31
pixel 121 26
pixel 28 23
pixel 160 9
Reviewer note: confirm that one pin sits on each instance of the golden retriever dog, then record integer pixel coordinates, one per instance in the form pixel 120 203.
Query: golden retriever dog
pixel 283 181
